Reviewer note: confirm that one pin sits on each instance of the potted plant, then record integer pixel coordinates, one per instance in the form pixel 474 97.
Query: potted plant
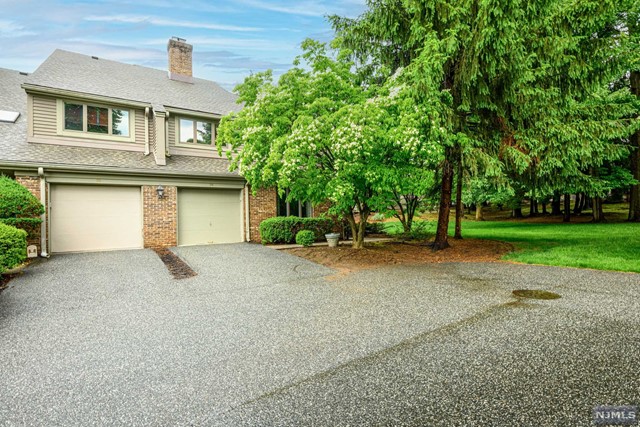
pixel 332 239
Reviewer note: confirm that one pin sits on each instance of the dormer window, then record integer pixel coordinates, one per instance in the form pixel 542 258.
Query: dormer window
pixel 195 132
pixel 80 119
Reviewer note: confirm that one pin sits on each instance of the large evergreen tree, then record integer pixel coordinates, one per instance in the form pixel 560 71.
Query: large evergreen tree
pixel 520 80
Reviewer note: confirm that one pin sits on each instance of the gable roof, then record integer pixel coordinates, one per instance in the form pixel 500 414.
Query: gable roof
pixel 16 151
pixel 71 71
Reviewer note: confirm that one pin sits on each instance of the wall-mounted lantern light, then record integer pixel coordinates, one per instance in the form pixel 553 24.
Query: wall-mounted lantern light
pixel 160 191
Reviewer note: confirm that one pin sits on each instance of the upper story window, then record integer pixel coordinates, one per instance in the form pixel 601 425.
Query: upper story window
pixel 96 119
pixel 196 132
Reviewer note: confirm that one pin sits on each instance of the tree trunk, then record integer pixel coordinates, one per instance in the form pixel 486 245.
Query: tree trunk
pixel 459 206
pixel 358 229
pixel 479 215
pixel 517 212
pixel 555 204
pixel 597 212
pixel 634 194
pixel 442 241
pixel 544 207
pixel 567 208
pixel 533 207
pixel 578 205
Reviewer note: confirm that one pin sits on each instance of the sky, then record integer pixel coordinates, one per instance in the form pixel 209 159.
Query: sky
pixel 230 39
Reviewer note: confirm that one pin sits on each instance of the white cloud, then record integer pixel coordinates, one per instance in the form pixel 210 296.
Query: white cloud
pixel 163 22
pixel 229 42
pixel 309 8
pixel 11 29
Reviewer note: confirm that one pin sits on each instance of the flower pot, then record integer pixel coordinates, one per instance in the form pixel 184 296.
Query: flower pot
pixel 332 239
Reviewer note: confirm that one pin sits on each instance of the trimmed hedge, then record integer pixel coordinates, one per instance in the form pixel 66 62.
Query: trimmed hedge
pixel 13 247
pixel 18 207
pixel 283 229
pixel 305 238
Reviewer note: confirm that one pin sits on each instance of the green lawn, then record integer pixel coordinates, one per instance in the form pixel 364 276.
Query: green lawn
pixel 608 246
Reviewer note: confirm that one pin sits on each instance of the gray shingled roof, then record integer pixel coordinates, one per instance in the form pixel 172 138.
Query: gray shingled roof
pixel 14 147
pixel 81 73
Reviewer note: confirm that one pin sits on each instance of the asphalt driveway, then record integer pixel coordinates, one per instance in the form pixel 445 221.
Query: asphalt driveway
pixel 260 337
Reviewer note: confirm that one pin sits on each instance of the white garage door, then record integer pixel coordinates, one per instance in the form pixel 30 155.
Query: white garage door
pixel 209 216
pixel 95 218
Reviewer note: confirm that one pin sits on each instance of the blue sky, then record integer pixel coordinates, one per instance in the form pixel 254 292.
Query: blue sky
pixel 230 39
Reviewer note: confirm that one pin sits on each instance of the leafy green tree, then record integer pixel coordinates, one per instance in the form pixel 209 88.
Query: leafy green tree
pixel 323 135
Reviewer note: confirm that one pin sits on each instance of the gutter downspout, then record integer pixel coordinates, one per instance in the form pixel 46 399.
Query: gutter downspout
pixel 166 134
pixel 246 211
pixel 146 131
pixel 43 217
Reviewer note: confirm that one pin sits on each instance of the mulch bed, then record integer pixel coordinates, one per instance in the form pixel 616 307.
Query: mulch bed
pixel 5 279
pixel 176 266
pixel 396 253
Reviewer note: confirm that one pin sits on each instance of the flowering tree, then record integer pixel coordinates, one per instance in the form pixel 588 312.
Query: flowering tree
pixel 323 135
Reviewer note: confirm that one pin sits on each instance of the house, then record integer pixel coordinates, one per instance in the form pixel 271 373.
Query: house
pixel 123 156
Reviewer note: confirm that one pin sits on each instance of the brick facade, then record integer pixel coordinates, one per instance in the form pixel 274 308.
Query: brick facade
pixel 160 217
pixel 32 183
pixel 262 205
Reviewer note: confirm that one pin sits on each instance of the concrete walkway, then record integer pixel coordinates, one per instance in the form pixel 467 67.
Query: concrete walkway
pixel 260 337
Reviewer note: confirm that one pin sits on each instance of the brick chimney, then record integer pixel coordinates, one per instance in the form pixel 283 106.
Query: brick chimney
pixel 180 60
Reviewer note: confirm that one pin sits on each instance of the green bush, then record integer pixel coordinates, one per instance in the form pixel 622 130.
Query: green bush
pixel 305 238
pixel 375 228
pixel 283 229
pixel 13 247
pixel 420 230
pixel 18 207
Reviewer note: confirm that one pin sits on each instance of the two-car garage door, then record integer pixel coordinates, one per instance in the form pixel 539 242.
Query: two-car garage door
pixel 99 217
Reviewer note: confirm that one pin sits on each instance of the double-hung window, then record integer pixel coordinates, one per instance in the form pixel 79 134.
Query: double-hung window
pixel 95 119
pixel 196 132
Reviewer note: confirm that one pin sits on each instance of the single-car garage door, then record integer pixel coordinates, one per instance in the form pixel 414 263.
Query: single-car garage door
pixel 209 216
pixel 95 218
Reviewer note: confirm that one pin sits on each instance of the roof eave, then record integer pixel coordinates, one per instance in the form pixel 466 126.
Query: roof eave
pixel 58 167
pixel 65 93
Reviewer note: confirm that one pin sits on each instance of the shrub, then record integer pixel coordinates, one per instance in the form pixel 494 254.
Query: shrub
pixel 375 228
pixel 283 229
pixel 18 207
pixel 420 230
pixel 305 238
pixel 13 247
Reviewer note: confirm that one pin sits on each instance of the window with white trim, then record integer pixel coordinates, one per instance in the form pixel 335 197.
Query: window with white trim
pixel 96 119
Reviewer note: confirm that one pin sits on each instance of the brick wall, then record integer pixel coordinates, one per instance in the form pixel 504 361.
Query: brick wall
pixel 322 209
pixel 160 217
pixel 32 183
pixel 262 205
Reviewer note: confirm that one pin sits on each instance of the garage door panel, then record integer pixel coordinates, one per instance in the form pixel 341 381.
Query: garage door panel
pixel 93 218
pixel 209 216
